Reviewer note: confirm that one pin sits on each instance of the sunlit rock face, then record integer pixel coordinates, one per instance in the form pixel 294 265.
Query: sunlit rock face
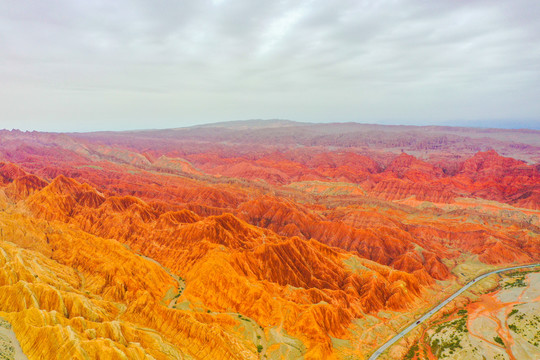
pixel 120 246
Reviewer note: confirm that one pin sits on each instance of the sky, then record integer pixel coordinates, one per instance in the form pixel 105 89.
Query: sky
pixel 83 65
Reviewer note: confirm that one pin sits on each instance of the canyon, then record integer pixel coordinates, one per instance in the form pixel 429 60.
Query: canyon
pixel 252 240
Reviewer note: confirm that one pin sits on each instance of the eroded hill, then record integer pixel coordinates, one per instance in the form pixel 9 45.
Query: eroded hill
pixel 122 245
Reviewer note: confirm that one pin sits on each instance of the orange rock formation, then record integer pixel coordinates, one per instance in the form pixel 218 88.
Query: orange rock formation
pixel 145 249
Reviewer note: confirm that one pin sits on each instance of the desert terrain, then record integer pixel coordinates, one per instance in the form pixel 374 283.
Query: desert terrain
pixel 260 240
pixel 500 324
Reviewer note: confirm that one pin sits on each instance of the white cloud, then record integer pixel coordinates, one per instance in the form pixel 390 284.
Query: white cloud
pixel 65 64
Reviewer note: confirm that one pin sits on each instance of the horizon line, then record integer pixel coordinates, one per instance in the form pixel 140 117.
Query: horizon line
pixel 503 126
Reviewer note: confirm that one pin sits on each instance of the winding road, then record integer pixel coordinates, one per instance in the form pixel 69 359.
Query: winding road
pixel 427 315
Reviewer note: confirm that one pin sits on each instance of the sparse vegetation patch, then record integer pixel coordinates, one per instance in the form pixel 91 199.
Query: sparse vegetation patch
pixel 447 337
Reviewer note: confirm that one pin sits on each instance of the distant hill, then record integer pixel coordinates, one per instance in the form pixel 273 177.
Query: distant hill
pixel 421 141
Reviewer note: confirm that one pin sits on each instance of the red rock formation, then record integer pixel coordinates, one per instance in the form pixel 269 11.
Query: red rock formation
pixel 300 238
pixel 409 167
pixel 235 260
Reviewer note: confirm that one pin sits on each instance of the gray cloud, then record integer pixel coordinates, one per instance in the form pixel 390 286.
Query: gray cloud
pixel 83 65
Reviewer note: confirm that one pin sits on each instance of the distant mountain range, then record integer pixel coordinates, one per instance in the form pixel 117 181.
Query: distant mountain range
pixel 421 141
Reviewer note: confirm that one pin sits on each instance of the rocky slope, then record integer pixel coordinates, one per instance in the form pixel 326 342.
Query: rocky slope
pixel 121 245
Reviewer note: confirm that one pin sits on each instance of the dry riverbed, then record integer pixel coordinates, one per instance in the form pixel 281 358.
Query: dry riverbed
pixel 9 346
pixel 503 324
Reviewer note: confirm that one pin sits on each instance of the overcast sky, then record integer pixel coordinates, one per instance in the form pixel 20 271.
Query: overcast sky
pixel 68 65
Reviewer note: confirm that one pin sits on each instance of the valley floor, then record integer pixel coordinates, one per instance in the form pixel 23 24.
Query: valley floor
pixel 10 349
pixel 503 324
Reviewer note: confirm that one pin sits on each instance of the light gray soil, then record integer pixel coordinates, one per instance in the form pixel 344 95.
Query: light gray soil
pixel 10 349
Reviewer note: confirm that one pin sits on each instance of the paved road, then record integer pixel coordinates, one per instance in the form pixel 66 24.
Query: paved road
pixel 427 315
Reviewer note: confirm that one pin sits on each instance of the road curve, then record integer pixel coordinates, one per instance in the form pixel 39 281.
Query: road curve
pixel 427 315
